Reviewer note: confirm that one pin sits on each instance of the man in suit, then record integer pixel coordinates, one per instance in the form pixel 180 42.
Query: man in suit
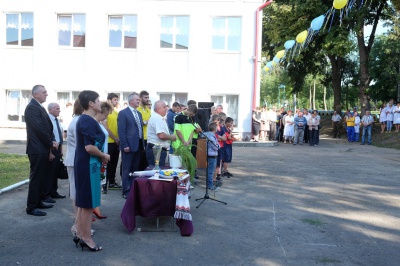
pixel 130 131
pixel 40 140
pixel 53 168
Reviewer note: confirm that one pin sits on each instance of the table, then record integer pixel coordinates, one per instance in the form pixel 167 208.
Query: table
pixel 152 198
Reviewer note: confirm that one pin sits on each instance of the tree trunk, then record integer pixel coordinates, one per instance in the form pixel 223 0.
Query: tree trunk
pixel 310 99
pixel 336 63
pixel 314 97
pixel 363 51
pixel 398 85
pixel 325 98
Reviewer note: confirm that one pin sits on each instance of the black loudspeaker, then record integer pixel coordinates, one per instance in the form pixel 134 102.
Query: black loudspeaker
pixel 206 105
pixel 202 117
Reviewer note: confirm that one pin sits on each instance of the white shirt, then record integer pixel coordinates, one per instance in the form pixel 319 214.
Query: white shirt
pixel 157 124
pixel 55 129
pixel 336 118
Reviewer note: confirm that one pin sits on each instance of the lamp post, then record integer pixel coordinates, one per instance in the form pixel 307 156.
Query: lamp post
pixel 279 94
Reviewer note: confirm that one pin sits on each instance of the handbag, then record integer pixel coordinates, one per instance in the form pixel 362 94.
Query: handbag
pixel 62 173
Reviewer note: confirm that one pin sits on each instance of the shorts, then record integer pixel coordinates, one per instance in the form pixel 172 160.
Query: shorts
pixel 220 156
pixel 227 153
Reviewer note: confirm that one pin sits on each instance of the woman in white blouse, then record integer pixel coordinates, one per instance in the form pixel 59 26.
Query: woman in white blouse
pixel 288 132
pixel 396 116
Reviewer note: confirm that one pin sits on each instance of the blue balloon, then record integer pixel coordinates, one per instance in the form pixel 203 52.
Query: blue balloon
pixel 269 64
pixel 289 44
pixel 318 22
pixel 276 59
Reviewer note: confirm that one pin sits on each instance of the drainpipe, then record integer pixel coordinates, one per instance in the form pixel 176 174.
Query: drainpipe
pixel 256 55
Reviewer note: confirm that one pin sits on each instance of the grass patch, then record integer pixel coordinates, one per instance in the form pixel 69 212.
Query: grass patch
pixel 327 260
pixel 13 169
pixel 315 222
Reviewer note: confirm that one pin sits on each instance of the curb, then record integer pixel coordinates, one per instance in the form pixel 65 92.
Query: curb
pixel 14 186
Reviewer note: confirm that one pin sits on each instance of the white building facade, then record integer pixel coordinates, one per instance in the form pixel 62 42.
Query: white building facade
pixel 176 50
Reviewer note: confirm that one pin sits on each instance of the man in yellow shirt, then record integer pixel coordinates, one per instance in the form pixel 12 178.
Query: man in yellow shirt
pixel 146 113
pixel 113 143
pixel 351 136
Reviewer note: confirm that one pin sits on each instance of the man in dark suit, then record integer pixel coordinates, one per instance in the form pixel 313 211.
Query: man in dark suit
pixel 40 140
pixel 130 131
pixel 53 168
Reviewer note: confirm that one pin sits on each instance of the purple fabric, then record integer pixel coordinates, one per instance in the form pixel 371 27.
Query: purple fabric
pixel 152 198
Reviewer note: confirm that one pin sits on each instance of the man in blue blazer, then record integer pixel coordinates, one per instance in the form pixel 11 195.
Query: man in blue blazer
pixel 40 140
pixel 130 131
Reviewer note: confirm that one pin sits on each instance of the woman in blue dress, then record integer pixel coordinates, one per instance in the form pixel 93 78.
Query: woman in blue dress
pixel 89 156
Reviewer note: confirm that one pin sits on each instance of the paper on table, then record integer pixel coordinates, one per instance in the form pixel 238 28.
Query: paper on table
pixel 145 173
pixel 161 179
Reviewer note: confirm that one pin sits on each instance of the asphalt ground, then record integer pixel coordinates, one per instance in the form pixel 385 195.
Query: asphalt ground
pixel 334 204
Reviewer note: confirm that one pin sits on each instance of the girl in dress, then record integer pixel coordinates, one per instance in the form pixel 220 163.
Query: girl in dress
pixel 396 116
pixel 382 118
pixel 288 132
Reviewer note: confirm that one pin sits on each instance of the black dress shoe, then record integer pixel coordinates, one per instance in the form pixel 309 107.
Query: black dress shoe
pixel 36 212
pixel 45 206
pixel 49 200
pixel 58 196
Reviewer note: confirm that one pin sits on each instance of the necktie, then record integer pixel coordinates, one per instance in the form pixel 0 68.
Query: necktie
pixel 59 131
pixel 138 122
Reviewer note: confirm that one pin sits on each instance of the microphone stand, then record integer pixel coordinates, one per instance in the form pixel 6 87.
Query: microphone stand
pixel 206 196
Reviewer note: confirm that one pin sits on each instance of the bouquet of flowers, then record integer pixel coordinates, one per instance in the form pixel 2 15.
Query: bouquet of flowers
pixel 103 171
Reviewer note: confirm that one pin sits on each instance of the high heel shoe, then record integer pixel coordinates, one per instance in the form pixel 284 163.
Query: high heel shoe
pixel 76 240
pixel 94 249
pixel 99 216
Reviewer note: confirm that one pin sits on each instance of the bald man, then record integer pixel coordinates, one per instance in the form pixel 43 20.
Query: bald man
pixel 158 133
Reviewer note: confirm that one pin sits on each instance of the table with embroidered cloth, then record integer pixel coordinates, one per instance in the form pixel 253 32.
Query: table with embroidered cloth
pixel 154 198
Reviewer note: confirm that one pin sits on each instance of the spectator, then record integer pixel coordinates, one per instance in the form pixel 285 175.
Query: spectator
pixel 289 128
pixel 300 121
pixel 264 128
pixel 313 123
pixel 212 155
pixel 396 116
pixel 307 116
pixel 350 122
pixel 357 122
pixel 367 122
pixel 389 115
pixel 382 118
pixel 256 124
pixel 271 120
pixel 336 124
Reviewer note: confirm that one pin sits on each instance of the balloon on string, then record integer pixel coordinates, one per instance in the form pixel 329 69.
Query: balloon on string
pixel 302 36
pixel 289 44
pixel 280 54
pixel 269 64
pixel 266 69
pixel 317 23
pixel 339 4
pixel 276 59
pixel 273 63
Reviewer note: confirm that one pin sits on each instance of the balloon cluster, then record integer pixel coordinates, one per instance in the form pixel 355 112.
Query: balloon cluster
pixel 304 38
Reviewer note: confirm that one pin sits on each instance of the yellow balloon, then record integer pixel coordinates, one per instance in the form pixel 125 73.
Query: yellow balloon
pixel 266 69
pixel 302 36
pixel 280 54
pixel 339 4
pixel 273 63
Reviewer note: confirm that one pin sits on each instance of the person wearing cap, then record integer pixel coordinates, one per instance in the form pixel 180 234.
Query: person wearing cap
pixel 350 127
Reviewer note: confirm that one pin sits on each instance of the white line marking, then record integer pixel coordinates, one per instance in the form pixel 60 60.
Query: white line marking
pixel 276 232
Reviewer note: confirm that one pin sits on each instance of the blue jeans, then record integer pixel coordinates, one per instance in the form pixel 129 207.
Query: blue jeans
pixel 211 165
pixel 367 130
pixel 389 125
pixel 357 137
pixel 350 134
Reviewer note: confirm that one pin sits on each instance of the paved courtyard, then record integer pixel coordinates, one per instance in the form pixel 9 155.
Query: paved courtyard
pixel 335 204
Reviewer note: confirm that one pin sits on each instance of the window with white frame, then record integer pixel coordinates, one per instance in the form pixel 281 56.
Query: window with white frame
pixel 170 98
pixel 19 29
pixel 122 31
pixel 66 97
pixel 72 30
pixel 174 32
pixel 227 34
pixel 230 104
pixel 16 102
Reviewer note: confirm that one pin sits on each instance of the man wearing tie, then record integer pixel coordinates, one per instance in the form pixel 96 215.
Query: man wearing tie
pixel 40 140
pixel 50 191
pixel 130 131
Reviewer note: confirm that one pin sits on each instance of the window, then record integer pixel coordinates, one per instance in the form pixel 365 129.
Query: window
pixel 226 34
pixel 230 104
pixel 174 32
pixel 122 31
pixel 16 102
pixel 19 29
pixel 170 98
pixel 71 30
pixel 66 97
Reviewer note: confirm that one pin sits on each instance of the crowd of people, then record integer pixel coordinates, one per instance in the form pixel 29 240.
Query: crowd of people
pixel 97 134
pixel 281 125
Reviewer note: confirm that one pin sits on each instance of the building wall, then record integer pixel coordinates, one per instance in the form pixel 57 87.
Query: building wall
pixel 198 71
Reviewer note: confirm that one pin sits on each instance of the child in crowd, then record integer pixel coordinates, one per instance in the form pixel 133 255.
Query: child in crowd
pixel 227 153
pixel 221 137
pixel 212 155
